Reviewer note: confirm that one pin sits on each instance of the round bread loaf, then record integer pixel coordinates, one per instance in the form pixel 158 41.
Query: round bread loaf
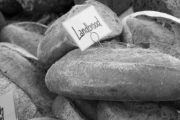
pixel 24 107
pixel 57 42
pixel 116 74
pixel 20 67
pixel 24 34
pixel 135 111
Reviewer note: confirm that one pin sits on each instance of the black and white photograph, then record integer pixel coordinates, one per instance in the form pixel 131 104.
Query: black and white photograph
pixel 89 59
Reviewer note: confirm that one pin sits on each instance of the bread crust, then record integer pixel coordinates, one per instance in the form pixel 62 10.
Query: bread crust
pixel 20 67
pixel 135 111
pixel 118 74
pixel 57 42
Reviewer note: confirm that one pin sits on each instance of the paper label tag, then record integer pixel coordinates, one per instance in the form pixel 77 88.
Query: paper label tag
pixel 87 27
pixel 7 108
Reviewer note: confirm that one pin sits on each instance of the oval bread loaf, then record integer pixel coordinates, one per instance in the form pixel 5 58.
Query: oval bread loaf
pixel 24 34
pixel 122 74
pixel 20 67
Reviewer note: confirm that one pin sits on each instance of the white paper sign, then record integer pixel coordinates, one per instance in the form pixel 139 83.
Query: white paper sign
pixel 7 109
pixel 87 27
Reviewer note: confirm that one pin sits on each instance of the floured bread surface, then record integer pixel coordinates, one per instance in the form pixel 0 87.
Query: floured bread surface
pixel 160 34
pixel 135 111
pixel 120 74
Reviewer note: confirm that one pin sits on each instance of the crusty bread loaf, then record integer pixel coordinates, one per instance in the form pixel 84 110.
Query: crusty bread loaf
pixel 23 72
pixel 63 109
pixel 57 42
pixel 118 74
pixel 135 111
pixel 24 107
pixel 168 6
pixel 161 35
pixel 24 34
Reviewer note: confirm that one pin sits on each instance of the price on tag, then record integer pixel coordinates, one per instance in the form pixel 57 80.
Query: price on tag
pixel 7 109
pixel 87 27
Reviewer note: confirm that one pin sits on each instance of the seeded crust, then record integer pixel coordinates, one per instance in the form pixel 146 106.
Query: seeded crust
pixel 168 6
pixel 135 111
pixel 118 74
pixel 57 42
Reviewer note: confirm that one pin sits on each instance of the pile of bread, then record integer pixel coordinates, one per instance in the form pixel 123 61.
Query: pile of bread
pixel 133 75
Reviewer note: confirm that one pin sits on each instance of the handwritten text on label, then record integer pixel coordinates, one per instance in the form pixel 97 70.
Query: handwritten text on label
pixel 86 28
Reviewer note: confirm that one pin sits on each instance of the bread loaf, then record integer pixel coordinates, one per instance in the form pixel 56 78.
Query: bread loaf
pixel 135 111
pixel 24 34
pixel 57 42
pixel 116 74
pixel 156 33
pixel 23 72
